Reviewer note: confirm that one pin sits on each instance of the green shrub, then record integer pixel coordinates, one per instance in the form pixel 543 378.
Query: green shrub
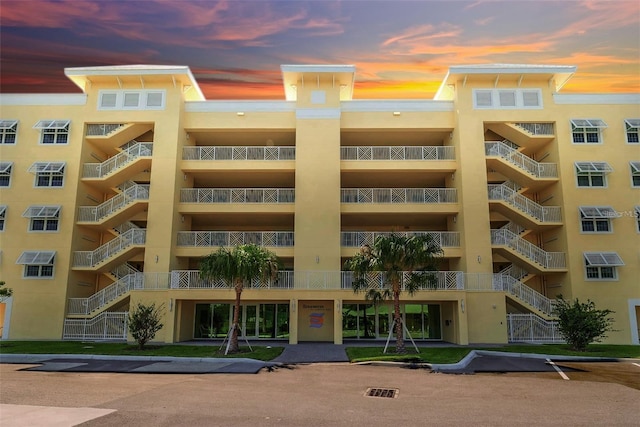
pixel 581 323
pixel 144 322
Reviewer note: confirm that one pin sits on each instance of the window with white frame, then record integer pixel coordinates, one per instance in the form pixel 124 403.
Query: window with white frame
pixel 635 174
pixel 633 130
pixel 48 174
pixel 43 218
pixel 592 174
pixel 37 264
pixel 53 131
pixel 8 131
pixel 637 213
pixel 597 219
pixel 602 265
pixel 507 98
pixel 5 173
pixel 587 131
pixel 147 99
pixel 3 211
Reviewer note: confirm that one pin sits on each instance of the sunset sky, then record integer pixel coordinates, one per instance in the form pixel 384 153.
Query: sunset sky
pixel 401 49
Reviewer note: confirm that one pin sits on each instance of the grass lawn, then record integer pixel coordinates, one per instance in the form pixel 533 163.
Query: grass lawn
pixel 455 354
pixel 123 349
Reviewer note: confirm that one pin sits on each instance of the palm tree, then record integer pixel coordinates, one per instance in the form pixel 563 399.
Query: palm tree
pixel 238 266
pixel 396 255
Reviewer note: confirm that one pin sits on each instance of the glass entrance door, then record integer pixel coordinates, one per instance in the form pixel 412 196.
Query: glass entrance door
pixel 249 322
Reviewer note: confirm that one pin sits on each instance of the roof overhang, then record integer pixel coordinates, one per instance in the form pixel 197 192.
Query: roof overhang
pixel 138 75
pixel 559 74
pixel 339 75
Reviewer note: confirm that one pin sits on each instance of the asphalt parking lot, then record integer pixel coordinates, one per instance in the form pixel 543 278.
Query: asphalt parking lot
pixel 322 394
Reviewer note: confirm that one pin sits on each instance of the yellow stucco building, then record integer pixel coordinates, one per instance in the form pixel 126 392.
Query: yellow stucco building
pixel 110 196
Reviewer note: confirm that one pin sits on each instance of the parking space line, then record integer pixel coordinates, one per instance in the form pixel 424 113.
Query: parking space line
pixel 637 364
pixel 558 370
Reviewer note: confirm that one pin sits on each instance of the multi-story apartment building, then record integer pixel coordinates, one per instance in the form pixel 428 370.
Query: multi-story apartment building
pixel 111 196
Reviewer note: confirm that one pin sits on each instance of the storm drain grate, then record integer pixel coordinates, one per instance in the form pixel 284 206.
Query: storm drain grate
pixel 382 392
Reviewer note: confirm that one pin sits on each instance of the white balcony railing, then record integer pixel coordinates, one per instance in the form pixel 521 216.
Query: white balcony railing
pixel 398 195
pixel 537 128
pixel 356 239
pixel 200 239
pixel 110 249
pixel 397 153
pixel 531 328
pixel 133 281
pixel 503 193
pixel 119 201
pixel 238 153
pixel 550 260
pixel 105 326
pixel 99 170
pixel 525 163
pixel 191 279
pixel 102 129
pixel 237 195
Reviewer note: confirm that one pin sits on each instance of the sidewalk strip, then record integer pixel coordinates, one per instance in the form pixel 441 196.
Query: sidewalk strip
pixel 558 370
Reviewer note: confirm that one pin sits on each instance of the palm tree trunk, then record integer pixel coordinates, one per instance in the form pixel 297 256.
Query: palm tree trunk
pixel 233 341
pixel 398 321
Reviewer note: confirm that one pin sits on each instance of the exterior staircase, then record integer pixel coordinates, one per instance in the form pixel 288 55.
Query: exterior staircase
pixel 510 202
pixel 527 135
pixel 519 250
pixel 107 325
pixel 124 165
pixel 112 136
pixel 111 253
pixel 532 328
pixel 524 295
pixel 105 297
pixel 512 163
pixel 125 204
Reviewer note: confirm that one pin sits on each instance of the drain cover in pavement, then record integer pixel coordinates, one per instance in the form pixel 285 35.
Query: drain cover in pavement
pixel 382 392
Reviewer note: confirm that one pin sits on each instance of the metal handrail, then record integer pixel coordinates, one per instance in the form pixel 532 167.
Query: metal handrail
pixel 525 163
pixel 237 195
pixel 445 239
pixel 397 153
pixel 537 128
pixel 105 326
pixel 102 129
pixel 201 239
pixel 130 195
pixel 398 195
pixel 115 246
pixel 532 328
pixel 551 260
pixel 238 153
pixel 513 198
pixel 123 158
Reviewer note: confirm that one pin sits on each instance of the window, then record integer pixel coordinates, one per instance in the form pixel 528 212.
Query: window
pixel 8 131
pixel 587 131
pixel 131 100
pixel 592 174
pixel 5 173
pixel 37 263
pixel 3 212
pixel 48 174
pixel 43 218
pixel 602 265
pixel 637 209
pixel 596 219
pixel 633 130
pixel 53 131
pixel 635 174
pixel 507 98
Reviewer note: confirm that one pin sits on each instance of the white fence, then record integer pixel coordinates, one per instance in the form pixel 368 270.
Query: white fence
pixel 397 153
pixel 531 328
pixel 237 195
pixel 398 195
pixel 105 326
pixel 191 279
pixel 200 239
pixel 445 239
pixel 238 153
pixel 120 243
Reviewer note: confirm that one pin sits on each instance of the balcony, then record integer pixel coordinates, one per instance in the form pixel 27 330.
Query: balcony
pixel 440 158
pixel 241 200
pixel 231 158
pixel 414 200
pixel 201 243
pixel 449 241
